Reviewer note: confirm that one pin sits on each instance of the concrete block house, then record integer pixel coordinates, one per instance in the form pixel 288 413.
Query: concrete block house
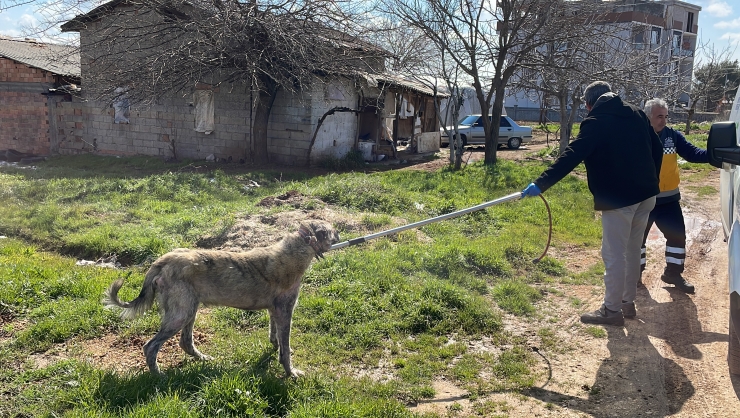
pixel 216 122
pixel 35 79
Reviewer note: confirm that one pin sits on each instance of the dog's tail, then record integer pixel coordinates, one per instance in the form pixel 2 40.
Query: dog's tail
pixel 141 304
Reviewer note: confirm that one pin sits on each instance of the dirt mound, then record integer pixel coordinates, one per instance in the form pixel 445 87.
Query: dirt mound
pixel 292 198
pixel 258 230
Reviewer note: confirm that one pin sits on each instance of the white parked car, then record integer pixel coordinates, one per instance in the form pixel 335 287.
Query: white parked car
pixel 724 153
pixel 471 132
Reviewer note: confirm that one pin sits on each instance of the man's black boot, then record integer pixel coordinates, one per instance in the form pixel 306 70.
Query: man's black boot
pixel 603 316
pixel 678 281
pixel 629 310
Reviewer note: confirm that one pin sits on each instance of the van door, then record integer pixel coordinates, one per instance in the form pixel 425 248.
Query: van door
pixel 730 178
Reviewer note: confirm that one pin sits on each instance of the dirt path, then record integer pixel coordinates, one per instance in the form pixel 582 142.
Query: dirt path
pixel 668 362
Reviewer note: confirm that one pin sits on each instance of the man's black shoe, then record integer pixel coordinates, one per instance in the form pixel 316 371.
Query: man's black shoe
pixel 603 316
pixel 628 310
pixel 679 282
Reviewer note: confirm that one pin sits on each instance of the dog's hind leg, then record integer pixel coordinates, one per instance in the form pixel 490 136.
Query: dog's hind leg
pixel 178 310
pixel 167 330
pixel 186 341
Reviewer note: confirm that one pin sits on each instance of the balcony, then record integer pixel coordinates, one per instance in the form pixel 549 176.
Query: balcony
pixel 680 52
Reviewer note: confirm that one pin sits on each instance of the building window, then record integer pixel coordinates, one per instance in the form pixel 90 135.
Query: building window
pixel 690 23
pixel 655 36
pixel 638 37
pixel 676 43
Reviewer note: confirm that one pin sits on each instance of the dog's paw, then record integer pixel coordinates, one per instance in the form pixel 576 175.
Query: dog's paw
pixel 205 357
pixel 296 373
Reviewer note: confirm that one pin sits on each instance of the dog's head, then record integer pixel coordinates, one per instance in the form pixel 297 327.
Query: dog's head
pixel 320 235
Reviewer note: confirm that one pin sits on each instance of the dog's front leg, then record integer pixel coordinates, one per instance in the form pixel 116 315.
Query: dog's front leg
pixel 273 333
pixel 282 314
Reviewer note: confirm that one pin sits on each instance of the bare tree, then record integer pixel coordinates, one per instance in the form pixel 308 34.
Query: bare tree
pixel 415 54
pixel 488 41
pixel 450 73
pixel 710 74
pixel 561 70
pixel 722 88
pixel 148 49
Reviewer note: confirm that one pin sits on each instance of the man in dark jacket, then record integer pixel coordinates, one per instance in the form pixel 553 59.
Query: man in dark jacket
pixel 667 213
pixel 622 155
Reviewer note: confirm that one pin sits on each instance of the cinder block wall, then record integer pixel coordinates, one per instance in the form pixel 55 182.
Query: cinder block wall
pixel 294 119
pixel 168 129
pixel 290 129
pixel 24 124
pixel 69 124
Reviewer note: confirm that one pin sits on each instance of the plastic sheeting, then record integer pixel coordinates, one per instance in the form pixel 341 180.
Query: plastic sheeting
pixel 121 107
pixel 204 111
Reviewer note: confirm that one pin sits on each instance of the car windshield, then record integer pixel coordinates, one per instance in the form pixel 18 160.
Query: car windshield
pixel 468 120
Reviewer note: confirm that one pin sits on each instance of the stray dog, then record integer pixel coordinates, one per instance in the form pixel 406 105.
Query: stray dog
pixel 261 278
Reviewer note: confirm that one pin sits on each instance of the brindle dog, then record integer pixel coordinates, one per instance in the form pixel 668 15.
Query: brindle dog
pixel 262 278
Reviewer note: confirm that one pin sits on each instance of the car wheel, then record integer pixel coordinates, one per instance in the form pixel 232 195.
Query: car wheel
pixel 464 140
pixel 514 143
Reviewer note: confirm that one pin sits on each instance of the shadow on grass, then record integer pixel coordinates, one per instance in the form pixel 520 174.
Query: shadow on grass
pixel 202 380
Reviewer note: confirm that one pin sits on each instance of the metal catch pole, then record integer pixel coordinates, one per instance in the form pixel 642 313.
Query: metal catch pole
pixel 513 196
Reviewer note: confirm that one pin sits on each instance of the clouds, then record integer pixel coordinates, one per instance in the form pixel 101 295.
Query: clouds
pixel 27 20
pixel 719 8
pixel 13 26
pixel 19 24
pixel 7 27
pixel 728 24
pixel 731 27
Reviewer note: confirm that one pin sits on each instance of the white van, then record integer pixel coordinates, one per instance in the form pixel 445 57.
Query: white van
pixel 724 153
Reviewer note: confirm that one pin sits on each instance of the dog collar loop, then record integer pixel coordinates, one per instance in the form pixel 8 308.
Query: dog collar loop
pixel 306 235
pixel 310 240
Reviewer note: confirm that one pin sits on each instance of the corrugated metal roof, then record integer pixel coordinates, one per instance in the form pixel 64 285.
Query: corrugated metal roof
pixel 58 59
pixel 406 83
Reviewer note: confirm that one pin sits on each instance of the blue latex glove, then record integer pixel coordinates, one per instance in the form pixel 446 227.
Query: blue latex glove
pixel 531 191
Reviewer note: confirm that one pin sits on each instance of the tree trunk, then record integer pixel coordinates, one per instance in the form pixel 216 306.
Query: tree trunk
pixel 492 138
pixel 689 117
pixel 263 107
pixel 564 130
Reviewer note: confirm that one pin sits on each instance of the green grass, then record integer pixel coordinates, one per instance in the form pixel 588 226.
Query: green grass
pixel 703 191
pixel 596 332
pixel 411 302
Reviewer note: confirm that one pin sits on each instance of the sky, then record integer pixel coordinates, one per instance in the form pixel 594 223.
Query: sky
pixel 719 22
